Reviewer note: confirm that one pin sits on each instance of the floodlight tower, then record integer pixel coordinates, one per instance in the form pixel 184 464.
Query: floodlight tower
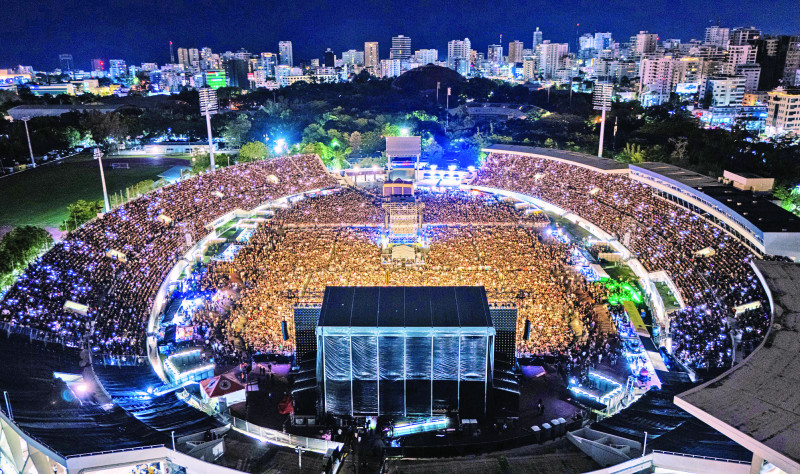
pixel 30 148
pixel 98 155
pixel 601 98
pixel 209 106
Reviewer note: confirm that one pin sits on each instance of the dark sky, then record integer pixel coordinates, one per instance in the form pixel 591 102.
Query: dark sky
pixel 36 31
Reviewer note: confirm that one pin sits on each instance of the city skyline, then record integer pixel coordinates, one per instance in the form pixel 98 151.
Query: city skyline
pixel 323 25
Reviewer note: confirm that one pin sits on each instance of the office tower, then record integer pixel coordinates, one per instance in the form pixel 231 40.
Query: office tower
pixel 537 39
pixel 371 56
pixel 645 43
pixel 98 65
pixel 401 47
pixel 183 57
pixel 353 57
pixel 328 58
pixel 494 54
pixel 550 57
pixel 236 72
pixel 426 56
pixel 390 67
pixel 285 53
pixel 65 61
pixel 515 52
pixel 458 56
pixel 717 36
pixel 117 68
pixel 744 35
pixel 242 54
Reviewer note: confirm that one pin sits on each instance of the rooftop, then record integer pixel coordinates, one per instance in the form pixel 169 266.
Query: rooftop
pixel 405 306
pixel 761 212
pixel 604 165
pixel 756 403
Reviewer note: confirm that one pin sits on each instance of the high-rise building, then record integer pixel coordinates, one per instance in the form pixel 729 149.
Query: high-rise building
pixel 645 43
pixel 724 91
pixel 529 67
pixel 744 35
pixel 390 67
pixel 551 57
pixel 515 52
pixel 371 56
pixel 267 62
pixel 98 65
pixel 285 53
pixel 353 57
pixel 717 36
pixel 65 62
pixel 194 57
pixel 117 68
pixel 791 67
pixel 458 56
pixel 537 39
pixel 740 54
pixel 401 47
pixel 494 54
pixel 183 57
pixel 783 112
pixel 773 54
pixel 751 73
pixel 426 56
pixel 236 71
pixel 603 41
pixel 656 77
pixel 329 58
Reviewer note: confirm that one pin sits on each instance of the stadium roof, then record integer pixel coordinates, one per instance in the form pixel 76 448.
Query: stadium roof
pixel 756 403
pixel 762 213
pixel 405 306
pixel 604 165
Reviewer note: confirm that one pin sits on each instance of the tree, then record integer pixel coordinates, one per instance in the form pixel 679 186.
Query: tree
pixel 253 151
pixel 355 141
pixel 631 154
pixel 202 162
pixel 81 212
pixel 789 198
pixel 103 127
pixel 235 130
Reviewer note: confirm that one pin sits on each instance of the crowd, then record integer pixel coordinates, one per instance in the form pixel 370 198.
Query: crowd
pixel 332 239
pixel 149 234
pixel 663 236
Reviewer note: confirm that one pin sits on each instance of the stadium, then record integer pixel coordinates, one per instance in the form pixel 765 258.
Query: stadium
pixel 271 316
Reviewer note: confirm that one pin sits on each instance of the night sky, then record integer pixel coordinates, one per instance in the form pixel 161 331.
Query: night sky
pixel 35 32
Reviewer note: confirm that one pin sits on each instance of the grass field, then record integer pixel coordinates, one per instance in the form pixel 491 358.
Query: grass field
pixel 40 196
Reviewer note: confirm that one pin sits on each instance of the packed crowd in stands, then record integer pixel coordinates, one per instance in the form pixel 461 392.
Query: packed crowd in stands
pixel 152 232
pixel 662 236
pixel 333 240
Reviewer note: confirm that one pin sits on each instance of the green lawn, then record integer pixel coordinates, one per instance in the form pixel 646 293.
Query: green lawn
pixel 670 302
pixel 40 196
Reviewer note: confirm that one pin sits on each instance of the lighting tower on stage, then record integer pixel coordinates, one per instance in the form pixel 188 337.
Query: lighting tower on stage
pixel 601 99
pixel 209 106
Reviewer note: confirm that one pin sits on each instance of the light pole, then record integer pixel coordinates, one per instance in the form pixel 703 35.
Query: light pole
pixel 208 106
pixel 447 111
pixel 98 155
pixel 602 101
pixel 30 148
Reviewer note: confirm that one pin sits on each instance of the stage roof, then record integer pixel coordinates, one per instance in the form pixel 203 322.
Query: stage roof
pixel 756 403
pixel 405 306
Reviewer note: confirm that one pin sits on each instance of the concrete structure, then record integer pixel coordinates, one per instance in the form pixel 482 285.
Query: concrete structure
pixel 390 67
pixel 515 52
pixel 20 111
pixel 761 225
pixel 723 91
pixel 756 402
pixel 645 43
pixel 401 47
pixel 717 36
pixel 749 181
pixel 285 53
pixel 458 52
pixel 550 57
pixel 537 39
pixel 783 109
pixel 371 56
